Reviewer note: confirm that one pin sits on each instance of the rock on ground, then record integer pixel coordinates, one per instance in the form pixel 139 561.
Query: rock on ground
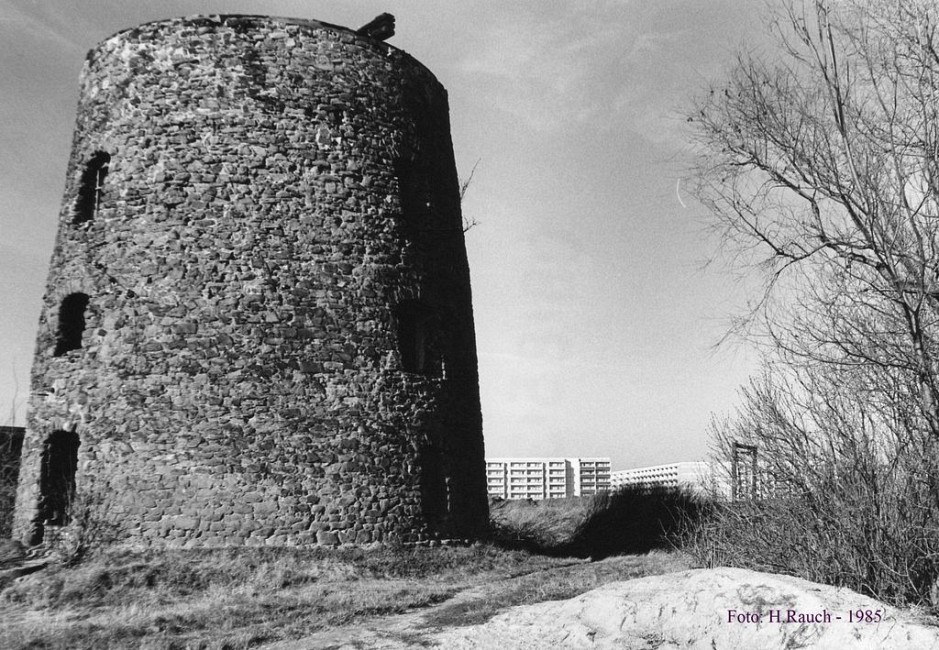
pixel 11 551
pixel 699 609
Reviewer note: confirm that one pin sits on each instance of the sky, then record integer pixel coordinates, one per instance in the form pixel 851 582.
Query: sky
pixel 598 292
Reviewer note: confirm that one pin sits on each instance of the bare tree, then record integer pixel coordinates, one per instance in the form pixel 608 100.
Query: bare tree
pixel 847 491
pixel 821 160
pixel 468 222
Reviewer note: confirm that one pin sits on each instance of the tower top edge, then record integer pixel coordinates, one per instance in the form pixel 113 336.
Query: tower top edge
pixel 223 19
pixel 246 20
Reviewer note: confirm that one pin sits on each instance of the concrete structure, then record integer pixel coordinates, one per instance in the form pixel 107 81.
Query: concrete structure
pixel 696 475
pixel 591 475
pixel 257 327
pixel 546 478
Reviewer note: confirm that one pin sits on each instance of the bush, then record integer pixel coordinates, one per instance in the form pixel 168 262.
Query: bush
pixel 631 520
pixel 11 444
pixel 855 498
pixel 634 520
pixel 537 526
pixel 885 544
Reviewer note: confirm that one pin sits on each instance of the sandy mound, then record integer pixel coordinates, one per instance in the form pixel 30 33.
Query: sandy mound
pixel 713 609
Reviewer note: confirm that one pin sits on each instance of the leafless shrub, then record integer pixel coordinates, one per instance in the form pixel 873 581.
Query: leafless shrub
pixel 818 161
pixel 634 519
pixel 849 495
pixel 627 521
pixel 10 446
pixel 538 526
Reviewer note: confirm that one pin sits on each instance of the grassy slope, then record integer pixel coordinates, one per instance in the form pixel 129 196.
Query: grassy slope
pixel 240 598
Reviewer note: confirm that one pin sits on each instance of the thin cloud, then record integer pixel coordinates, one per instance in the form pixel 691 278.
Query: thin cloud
pixel 620 65
pixel 51 25
pixel 544 68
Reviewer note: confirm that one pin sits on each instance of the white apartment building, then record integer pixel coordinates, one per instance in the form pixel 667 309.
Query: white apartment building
pixel 591 475
pixel 696 475
pixel 546 478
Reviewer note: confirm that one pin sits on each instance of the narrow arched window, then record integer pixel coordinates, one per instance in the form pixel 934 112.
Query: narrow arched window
pixel 71 323
pixel 91 187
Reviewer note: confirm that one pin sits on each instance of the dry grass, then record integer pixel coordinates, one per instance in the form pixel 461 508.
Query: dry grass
pixel 237 598
pixel 538 525
pixel 241 598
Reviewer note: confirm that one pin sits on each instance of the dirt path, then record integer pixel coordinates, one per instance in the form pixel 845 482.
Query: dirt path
pixel 408 630
pixel 472 605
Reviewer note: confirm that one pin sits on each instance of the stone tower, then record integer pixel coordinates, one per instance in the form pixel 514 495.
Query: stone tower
pixel 257 327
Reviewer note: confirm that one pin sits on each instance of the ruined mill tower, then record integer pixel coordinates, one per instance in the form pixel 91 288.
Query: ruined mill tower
pixel 257 327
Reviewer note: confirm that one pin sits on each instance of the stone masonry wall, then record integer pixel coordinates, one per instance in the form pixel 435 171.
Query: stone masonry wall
pixel 258 319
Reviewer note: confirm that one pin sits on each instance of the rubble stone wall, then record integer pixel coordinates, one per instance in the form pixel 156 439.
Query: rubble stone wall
pixel 258 319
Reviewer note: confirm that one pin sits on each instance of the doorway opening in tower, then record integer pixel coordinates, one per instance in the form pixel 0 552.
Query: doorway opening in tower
pixel 435 487
pixel 58 463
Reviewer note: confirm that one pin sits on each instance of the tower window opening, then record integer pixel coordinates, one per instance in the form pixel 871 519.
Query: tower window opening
pixel 414 192
pixel 435 487
pixel 57 477
pixel 91 187
pixel 71 323
pixel 413 321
